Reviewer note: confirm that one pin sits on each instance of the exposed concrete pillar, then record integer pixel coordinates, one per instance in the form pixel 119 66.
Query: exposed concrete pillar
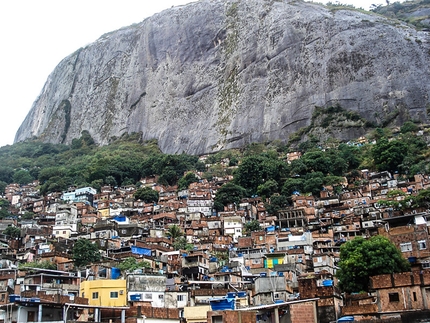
pixel 96 315
pixel 276 312
pixel 122 316
pixel 39 314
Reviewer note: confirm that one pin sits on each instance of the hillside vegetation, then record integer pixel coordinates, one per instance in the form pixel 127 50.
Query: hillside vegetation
pixel 258 169
pixel 415 12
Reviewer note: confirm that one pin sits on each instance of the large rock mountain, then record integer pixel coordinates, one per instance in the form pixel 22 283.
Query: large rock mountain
pixel 219 74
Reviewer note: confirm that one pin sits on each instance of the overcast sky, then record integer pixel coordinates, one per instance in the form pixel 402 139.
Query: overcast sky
pixel 37 34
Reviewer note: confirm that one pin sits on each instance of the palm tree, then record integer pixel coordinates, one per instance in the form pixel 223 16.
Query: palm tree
pixel 174 232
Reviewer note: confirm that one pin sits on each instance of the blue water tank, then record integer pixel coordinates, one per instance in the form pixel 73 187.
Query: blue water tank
pixel 115 273
pixel 263 274
pixel 135 297
pixel 222 304
pixel 14 297
pixel 327 283
pixel 231 295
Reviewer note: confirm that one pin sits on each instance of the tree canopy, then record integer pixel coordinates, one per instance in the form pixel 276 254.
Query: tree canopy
pixel 229 193
pixel 130 264
pixel 146 194
pixel 85 252
pixel 12 231
pixel 362 258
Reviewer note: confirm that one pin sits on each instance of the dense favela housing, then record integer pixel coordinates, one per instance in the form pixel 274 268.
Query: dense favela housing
pixel 180 260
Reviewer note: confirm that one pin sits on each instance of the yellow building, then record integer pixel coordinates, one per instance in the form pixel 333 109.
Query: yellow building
pixel 104 212
pixel 105 292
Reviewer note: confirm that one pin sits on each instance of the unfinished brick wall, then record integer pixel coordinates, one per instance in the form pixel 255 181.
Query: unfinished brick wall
pixel 234 316
pixel 303 312
pixel 405 299
pixel 401 279
pixel 381 281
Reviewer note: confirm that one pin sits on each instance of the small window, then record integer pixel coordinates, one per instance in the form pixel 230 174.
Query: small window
pixel 148 296
pixel 180 298
pixel 393 297
pixel 405 247
pixel 161 296
pixel 95 295
pixel 113 294
pixel 415 296
pixel 83 295
pixel 422 244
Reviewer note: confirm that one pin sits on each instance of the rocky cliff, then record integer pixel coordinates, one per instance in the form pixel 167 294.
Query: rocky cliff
pixel 219 74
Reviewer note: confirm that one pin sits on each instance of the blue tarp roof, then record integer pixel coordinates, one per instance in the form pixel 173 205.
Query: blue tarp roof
pixel 140 251
pixel 220 304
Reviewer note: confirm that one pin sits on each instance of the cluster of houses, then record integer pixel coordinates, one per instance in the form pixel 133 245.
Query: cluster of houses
pixel 284 272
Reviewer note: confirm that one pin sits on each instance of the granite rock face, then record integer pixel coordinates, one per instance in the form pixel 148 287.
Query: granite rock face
pixel 218 74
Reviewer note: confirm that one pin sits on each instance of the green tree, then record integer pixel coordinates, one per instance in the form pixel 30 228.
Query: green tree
pixel 314 183
pixel 409 126
pixel 292 185
pixel 13 232
pixel 268 188
pixel 22 177
pixel 389 155
pixel 277 202
pixel 6 174
pixel 229 193
pixel 252 226
pixel 2 186
pixel 4 208
pixel 186 180
pixel 146 194
pixel 168 176
pixel 361 259
pixel 257 169
pixel 174 232
pixel 85 252
pixel 182 244
pixel 130 264
pixel 422 199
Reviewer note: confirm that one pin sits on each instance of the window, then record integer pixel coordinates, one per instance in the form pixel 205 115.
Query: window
pixel 148 296
pixel 415 296
pixel 113 294
pixel 422 244
pixel 393 297
pixel 217 319
pixel 405 247
pixel 95 295
pixel 180 298
pixel 161 296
